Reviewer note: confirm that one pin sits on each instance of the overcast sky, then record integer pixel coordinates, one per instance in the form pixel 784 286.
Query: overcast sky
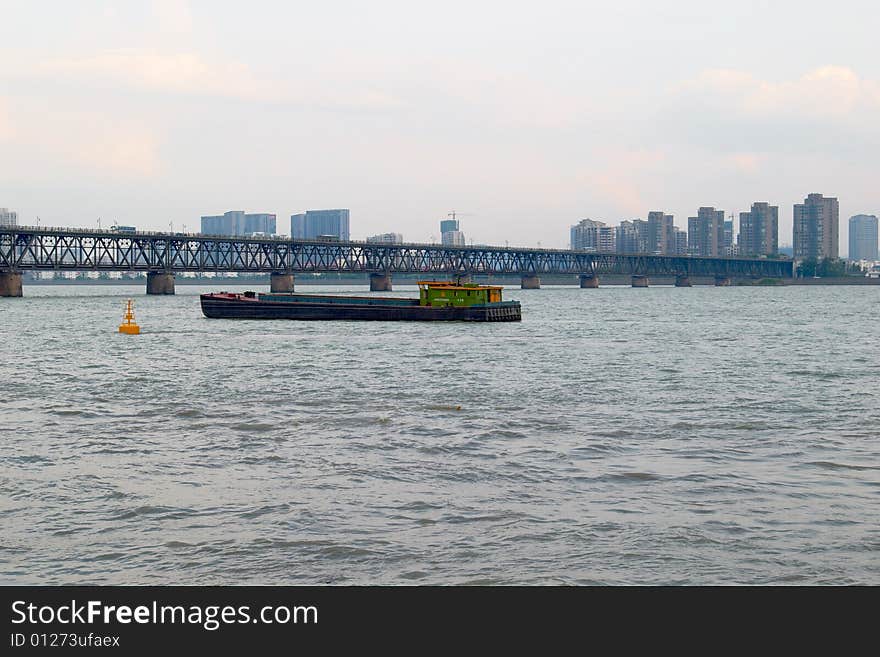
pixel 523 116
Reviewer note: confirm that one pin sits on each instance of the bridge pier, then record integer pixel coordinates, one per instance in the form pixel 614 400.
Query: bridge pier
pixel 10 284
pixel 530 282
pixel 639 281
pixel 461 279
pixel 682 280
pixel 722 281
pixel 160 282
pixel 380 282
pixel 281 282
pixel 589 281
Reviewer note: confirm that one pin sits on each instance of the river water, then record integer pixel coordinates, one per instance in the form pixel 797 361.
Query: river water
pixel 615 436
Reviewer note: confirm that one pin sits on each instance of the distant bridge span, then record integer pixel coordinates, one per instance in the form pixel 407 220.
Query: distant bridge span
pixel 162 255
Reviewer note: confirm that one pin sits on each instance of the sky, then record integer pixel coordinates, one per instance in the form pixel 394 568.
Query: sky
pixel 523 117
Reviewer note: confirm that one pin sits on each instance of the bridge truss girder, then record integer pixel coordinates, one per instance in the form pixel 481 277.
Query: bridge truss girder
pixel 47 250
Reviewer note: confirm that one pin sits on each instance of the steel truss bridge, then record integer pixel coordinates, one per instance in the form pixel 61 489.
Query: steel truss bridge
pixel 58 249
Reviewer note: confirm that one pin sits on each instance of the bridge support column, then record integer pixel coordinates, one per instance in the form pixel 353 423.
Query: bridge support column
pixel 160 282
pixel 682 280
pixel 722 281
pixel 530 282
pixel 463 278
pixel 639 280
pixel 589 281
pixel 10 284
pixel 281 282
pixel 380 282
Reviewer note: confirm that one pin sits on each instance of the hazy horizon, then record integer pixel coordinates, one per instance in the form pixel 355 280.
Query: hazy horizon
pixel 524 119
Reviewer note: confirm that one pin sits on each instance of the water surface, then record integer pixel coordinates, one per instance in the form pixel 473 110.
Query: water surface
pixel 615 436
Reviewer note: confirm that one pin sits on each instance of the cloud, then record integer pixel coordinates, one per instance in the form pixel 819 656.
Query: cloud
pixel 81 141
pixel 173 15
pixel 193 74
pixel 123 150
pixel 828 92
pixel 180 72
pixel 451 91
pixel 504 99
pixel 827 112
pixel 618 181
pixel 747 162
pixel 5 122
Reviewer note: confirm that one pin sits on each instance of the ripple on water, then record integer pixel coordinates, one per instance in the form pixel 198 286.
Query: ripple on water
pixel 251 427
pixel 829 465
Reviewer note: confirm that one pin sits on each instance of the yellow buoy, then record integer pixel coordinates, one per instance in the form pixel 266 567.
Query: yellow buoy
pixel 128 326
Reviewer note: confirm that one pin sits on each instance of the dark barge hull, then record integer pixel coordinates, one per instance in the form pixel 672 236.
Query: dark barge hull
pixel 234 306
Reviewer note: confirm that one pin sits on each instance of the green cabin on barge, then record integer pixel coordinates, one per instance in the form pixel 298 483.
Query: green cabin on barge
pixel 438 294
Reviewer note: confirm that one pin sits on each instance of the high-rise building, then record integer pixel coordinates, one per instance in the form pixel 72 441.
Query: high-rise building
pixel 228 223
pixel 607 238
pixel 759 231
pixel 863 237
pixel 595 236
pixel 236 222
pixel 728 247
pixel 632 236
pixel 450 232
pixel 660 233
pixel 585 235
pixel 386 238
pixel 320 223
pixel 259 223
pixel 706 232
pixel 449 226
pixel 680 237
pixel 452 238
pixel 626 237
pixel 297 225
pixel 815 228
pixel 8 217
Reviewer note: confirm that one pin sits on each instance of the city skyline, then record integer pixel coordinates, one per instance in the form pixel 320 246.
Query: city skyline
pixel 141 112
pixel 733 218
pixel 755 234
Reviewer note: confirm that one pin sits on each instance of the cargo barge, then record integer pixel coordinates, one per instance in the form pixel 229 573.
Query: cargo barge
pixel 438 301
